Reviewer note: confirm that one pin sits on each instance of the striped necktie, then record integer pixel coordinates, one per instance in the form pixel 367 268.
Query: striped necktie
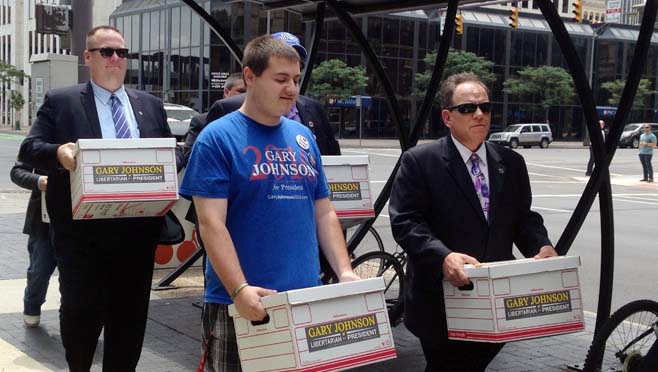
pixel 480 182
pixel 121 127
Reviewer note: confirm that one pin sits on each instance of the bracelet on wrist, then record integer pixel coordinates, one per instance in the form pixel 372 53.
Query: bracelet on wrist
pixel 237 290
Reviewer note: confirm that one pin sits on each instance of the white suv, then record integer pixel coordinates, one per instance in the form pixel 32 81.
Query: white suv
pixel 525 135
pixel 178 118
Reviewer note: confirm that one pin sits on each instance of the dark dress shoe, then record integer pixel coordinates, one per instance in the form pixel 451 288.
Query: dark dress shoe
pixel 643 180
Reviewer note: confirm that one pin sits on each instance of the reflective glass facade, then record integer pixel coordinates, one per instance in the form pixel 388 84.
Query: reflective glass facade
pixel 176 57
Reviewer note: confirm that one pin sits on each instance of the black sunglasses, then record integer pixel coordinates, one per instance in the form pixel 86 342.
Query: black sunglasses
pixel 469 108
pixel 108 52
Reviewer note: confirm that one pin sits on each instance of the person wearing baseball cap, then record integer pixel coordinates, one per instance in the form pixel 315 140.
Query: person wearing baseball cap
pixel 293 41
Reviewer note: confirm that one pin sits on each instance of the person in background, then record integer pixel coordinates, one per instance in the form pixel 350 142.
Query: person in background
pixel 305 110
pixel 105 265
pixel 590 163
pixel 459 200
pixel 647 143
pixel 248 170
pixel 234 85
pixel 41 252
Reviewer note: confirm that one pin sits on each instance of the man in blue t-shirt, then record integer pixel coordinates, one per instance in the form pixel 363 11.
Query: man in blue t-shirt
pixel 262 201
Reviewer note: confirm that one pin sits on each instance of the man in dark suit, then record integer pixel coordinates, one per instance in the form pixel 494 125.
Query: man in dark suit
pixel 41 253
pixel 459 201
pixel 105 265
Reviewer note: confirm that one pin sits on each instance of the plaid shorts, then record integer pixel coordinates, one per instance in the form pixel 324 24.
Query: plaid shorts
pixel 220 347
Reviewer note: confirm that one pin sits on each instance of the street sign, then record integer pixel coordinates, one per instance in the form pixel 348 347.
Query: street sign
pixel 613 11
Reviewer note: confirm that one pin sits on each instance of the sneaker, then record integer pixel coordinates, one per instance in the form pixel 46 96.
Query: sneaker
pixel 650 180
pixel 31 321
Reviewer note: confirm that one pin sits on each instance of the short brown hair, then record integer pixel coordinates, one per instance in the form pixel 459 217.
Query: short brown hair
pixel 449 85
pixel 93 32
pixel 258 51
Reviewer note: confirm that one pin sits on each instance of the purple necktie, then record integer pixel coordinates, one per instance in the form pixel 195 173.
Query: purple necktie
pixel 480 182
pixel 293 114
pixel 121 127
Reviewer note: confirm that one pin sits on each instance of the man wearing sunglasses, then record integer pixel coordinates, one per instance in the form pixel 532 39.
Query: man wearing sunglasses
pixel 105 266
pixel 647 143
pixel 459 200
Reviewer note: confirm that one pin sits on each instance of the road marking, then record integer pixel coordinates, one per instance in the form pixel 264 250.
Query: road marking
pixel 373 153
pixel 11 136
pixel 565 168
pixel 551 209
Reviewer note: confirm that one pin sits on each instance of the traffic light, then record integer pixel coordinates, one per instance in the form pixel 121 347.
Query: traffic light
pixel 460 25
pixel 578 11
pixel 514 17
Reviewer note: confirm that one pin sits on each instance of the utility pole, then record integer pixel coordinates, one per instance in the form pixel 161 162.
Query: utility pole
pixel 80 25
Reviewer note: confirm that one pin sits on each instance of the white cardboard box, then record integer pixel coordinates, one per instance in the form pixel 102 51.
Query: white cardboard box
pixel 516 300
pixel 349 184
pixel 116 178
pixel 327 328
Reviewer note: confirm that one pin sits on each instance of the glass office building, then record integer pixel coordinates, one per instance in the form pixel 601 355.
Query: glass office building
pixel 176 57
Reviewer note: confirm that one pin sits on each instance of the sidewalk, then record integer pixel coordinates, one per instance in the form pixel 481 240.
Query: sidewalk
pixel 172 333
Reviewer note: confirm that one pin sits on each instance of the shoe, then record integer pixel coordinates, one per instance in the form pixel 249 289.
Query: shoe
pixel 31 321
pixel 643 180
pixel 588 174
pixel 650 180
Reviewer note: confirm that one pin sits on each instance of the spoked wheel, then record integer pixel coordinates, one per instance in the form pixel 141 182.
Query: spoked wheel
pixel 371 242
pixel 624 339
pixel 374 264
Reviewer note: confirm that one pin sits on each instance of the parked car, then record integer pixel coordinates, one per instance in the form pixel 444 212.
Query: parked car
pixel 630 137
pixel 525 135
pixel 178 118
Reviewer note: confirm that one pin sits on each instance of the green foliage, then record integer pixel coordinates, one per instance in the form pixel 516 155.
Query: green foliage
pixel 458 61
pixel 16 101
pixel 334 79
pixel 10 74
pixel 541 87
pixel 616 87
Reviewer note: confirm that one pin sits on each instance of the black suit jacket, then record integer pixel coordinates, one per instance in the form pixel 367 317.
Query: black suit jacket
pixel 310 111
pixel 434 211
pixel 28 178
pixel 68 114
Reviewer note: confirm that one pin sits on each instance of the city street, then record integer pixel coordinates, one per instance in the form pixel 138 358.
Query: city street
pixel 557 179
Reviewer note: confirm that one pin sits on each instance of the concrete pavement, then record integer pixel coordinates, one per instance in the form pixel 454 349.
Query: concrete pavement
pixel 172 341
pixel 172 333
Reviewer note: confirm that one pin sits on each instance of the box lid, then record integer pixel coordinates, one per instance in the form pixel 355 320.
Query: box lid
pixel 345 160
pixel 521 267
pixel 319 293
pixel 132 143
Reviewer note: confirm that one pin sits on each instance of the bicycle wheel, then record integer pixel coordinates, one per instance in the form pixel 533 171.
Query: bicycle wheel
pixel 374 264
pixel 624 339
pixel 371 242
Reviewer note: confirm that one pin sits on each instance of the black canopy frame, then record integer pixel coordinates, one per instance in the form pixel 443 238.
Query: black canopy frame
pixel 599 182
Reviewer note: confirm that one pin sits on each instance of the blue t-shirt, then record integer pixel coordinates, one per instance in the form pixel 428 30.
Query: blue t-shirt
pixel 648 138
pixel 271 176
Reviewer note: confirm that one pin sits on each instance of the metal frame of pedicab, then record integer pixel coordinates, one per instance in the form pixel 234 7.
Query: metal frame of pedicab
pixel 599 182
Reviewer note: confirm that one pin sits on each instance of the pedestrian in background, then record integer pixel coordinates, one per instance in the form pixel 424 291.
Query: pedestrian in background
pixel 647 143
pixel 41 253
pixel 590 163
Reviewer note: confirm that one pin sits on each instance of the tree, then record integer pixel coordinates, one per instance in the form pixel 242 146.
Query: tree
pixel 616 87
pixel 10 75
pixel 457 61
pixel 334 79
pixel 16 101
pixel 541 87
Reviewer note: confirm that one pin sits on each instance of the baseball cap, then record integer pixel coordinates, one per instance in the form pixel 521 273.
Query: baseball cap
pixel 293 41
